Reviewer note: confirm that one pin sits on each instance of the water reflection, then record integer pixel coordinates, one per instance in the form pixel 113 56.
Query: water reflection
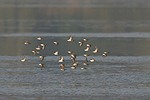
pixel 117 46
pixel 74 16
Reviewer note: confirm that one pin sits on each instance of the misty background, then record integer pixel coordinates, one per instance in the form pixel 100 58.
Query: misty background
pixel 61 16
pixel 129 20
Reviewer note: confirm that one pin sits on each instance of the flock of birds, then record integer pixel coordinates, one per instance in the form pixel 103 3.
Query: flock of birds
pixel 73 57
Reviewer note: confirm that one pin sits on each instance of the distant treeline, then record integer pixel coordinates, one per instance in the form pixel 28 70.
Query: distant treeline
pixel 54 16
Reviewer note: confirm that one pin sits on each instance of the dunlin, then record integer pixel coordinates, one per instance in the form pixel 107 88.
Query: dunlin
pixel 42 46
pixel 41 65
pixel 39 38
pixel 61 59
pixel 23 59
pixel 56 43
pixel 70 39
pixel 96 50
pixel 56 53
pixel 80 43
pixel 92 60
pixel 87 49
pixel 27 42
pixel 62 67
pixel 41 58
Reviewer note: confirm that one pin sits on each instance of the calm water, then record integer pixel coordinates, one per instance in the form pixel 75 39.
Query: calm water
pixel 125 73
pixel 109 78
pixel 121 27
pixel 118 44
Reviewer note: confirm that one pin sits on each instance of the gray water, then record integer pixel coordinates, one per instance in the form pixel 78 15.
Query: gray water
pixel 124 74
pixel 121 27
pixel 118 44
pixel 109 78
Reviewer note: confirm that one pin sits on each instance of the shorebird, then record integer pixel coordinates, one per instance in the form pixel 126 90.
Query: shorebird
pixel 96 50
pixel 61 59
pixel 85 39
pixel 83 68
pixel 86 55
pixel 87 49
pixel 42 46
pixel 41 65
pixel 56 43
pixel 88 45
pixel 38 48
pixel 62 67
pixel 74 65
pixel 92 60
pixel 41 58
pixel 34 52
pixel 69 52
pixel 105 53
pixel 27 42
pixel 85 63
pixel 80 43
pixel 23 59
pixel 39 38
pixel 73 56
pixel 70 39
pixel 56 53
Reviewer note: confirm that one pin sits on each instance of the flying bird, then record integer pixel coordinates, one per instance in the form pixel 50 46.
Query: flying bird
pixel 23 59
pixel 96 50
pixel 42 46
pixel 27 42
pixel 41 58
pixel 61 59
pixel 56 53
pixel 92 60
pixel 62 67
pixel 70 39
pixel 87 49
pixel 105 53
pixel 80 43
pixel 41 65
pixel 56 43
pixel 39 38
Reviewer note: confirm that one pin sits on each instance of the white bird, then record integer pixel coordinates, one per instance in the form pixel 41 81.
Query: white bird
pixel 74 65
pixel 80 43
pixel 62 67
pixel 70 39
pixel 27 42
pixel 34 52
pixel 41 65
pixel 85 55
pixel 73 56
pixel 83 68
pixel 56 43
pixel 39 38
pixel 92 60
pixel 86 49
pixel 42 46
pixel 85 39
pixel 69 52
pixel 56 53
pixel 23 59
pixel 96 50
pixel 41 58
pixel 105 53
pixel 88 45
pixel 85 63
pixel 61 59
pixel 38 48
